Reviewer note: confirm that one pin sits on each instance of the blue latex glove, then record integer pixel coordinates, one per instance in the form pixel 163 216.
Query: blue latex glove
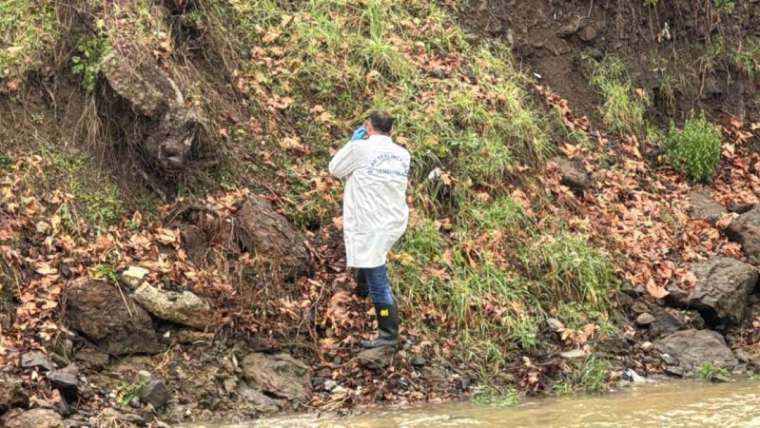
pixel 359 134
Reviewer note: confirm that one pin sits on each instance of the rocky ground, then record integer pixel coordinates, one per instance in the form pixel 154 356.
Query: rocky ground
pixel 232 303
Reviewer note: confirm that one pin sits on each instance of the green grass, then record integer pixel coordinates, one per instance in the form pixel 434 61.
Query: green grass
pixel 695 149
pixel 489 395
pixel 709 372
pixel 622 108
pixel 96 197
pixel 589 375
pixel 27 29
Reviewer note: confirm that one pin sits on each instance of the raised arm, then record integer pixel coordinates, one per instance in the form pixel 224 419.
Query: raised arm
pixel 344 162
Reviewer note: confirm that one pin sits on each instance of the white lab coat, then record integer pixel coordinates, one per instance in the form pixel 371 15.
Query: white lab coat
pixel 375 213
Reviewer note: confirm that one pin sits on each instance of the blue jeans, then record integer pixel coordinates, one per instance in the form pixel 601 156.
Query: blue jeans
pixel 379 287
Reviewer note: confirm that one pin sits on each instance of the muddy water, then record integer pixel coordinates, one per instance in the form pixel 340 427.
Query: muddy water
pixel 676 404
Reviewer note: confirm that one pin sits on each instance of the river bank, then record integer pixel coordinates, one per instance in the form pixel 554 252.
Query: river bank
pixel 668 404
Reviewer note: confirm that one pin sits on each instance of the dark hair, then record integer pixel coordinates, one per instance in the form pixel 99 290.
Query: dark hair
pixel 381 121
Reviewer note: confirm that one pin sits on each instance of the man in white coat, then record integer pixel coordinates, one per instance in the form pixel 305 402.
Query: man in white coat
pixel 375 213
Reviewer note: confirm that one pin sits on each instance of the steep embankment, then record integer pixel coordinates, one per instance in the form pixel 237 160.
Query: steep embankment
pixel 165 205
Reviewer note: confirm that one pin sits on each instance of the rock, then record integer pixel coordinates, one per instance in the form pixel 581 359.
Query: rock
pixel 12 392
pixel 66 382
pixel 193 337
pixel 670 320
pixel 740 207
pixel 555 325
pixel 153 390
pixel 180 307
pixel 133 277
pixel 723 287
pixel 588 33
pixel 375 358
pixel 32 360
pixel 330 385
pixel 35 418
pixel 261 403
pixel 693 348
pixel 645 319
pixel 110 319
pixel 279 374
pixel 573 174
pixel 177 128
pixel 646 346
pixel 746 230
pixel 574 354
pixel 261 230
pixel 631 376
pixel 418 361
pixel 93 358
pixel 704 207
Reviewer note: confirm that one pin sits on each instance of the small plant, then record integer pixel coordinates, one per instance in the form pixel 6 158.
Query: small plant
pixel 623 107
pixel 87 64
pixel 5 160
pixel 126 392
pixel 694 150
pixel 105 271
pixel 589 376
pixel 711 373
pixel 492 396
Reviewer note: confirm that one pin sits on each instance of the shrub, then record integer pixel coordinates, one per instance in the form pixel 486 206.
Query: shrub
pixel 623 108
pixel 694 150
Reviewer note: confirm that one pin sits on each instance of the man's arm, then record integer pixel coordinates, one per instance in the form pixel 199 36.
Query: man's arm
pixel 344 162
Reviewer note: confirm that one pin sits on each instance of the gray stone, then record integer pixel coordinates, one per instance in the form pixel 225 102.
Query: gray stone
pixel 555 325
pixel 279 374
pixel 723 287
pixel 573 174
pixel 418 361
pixel 573 354
pixel 66 382
pixel 180 307
pixel 109 318
pixel 645 319
pixel 93 358
pixel 746 230
pixel 704 207
pixel 376 358
pixel 588 33
pixel 740 207
pixel 153 390
pixel 134 276
pixel 260 402
pixel 35 418
pixel 691 349
pixel 32 360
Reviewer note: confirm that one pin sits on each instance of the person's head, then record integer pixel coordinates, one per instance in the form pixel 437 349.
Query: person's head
pixel 380 122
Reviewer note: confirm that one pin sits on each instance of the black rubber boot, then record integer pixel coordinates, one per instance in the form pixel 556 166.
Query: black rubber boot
pixel 387 332
pixel 362 288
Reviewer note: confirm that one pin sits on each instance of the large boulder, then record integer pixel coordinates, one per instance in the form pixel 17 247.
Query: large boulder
pixel 746 230
pixel 702 206
pixel 691 349
pixel 35 418
pixel 173 128
pixel 280 375
pixel 263 232
pixel 722 289
pixel 181 307
pixel 109 318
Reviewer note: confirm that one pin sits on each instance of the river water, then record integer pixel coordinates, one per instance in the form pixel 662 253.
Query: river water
pixel 670 404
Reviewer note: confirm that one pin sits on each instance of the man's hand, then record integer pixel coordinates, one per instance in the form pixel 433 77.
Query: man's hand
pixel 359 134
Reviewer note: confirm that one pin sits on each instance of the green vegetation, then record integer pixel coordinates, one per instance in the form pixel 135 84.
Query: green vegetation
pixel 622 107
pixel 27 29
pixel 711 373
pixel 695 149
pixel 91 50
pixel 126 392
pixel 5 160
pixel 492 396
pixel 106 272
pixel 589 376
pixel 96 198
